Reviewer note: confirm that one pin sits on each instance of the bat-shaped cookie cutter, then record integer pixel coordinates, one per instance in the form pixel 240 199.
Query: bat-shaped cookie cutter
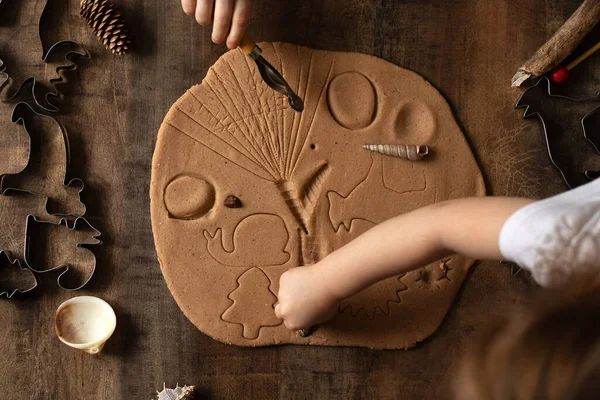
pixel 588 174
pixel 18 117
pixel 72 226
pixel 73 51
pixel 16 263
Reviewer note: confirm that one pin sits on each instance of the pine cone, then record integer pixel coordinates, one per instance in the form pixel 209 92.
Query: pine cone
pixel 107 23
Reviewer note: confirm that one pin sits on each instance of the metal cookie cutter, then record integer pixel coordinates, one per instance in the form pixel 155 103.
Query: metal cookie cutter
pixel 22 114
pixel 6 262
pixel 556 128
pixel 66 49
pixel 75 225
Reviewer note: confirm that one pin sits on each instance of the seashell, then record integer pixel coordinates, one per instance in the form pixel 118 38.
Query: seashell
pixel 85 323
pixel 179 393
pixel 407 151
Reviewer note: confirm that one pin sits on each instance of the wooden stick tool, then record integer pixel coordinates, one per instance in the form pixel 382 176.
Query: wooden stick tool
pixel 562 73
pixel 561 44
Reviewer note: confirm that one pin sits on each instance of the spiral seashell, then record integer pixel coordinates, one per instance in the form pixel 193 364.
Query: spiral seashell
pixel 407 151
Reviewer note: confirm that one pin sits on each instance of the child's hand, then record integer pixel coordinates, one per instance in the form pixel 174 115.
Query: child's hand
pixel 303 298
pixel 230 18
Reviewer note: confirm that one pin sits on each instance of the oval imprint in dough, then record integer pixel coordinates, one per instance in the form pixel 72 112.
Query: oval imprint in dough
pixel 415 123
pixel 188 197
pixel 352 100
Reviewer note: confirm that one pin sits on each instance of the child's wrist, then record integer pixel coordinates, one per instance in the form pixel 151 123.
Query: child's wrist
pixel 328 278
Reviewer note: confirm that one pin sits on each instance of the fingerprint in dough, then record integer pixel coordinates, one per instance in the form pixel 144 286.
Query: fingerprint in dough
pixel 415 123
pixel 352 100
pixel 187 197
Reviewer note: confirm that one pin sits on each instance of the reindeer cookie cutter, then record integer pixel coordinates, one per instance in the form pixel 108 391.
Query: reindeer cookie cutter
pixel 19 117
pixel 586 122
pixel 65 219
pixel 73 226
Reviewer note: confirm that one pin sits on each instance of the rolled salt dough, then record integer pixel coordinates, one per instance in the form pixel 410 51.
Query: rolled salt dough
pixel 307 188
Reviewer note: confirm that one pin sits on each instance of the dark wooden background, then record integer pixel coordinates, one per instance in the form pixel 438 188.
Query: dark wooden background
pixel 468 49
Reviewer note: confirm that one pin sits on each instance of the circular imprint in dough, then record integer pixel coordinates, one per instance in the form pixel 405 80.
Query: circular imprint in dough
pixel 415 123
pixel 352 100
pixel 188 197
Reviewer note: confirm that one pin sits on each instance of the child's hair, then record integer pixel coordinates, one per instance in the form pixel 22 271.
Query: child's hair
pixel 548 352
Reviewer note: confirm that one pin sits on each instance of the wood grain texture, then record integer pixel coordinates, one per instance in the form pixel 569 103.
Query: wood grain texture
pixel 468 49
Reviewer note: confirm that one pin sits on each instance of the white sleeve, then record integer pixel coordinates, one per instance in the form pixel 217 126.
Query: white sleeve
pixel 558 237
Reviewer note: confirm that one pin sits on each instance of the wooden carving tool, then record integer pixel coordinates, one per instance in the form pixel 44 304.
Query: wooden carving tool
pixel 561 44
pixel 562 73
pixel 269 74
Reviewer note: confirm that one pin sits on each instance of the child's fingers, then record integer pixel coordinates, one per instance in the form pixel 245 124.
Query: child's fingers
pixel 204 11
pixel 222 21
pixel 189 7
pixel 278 311
pixel 239 23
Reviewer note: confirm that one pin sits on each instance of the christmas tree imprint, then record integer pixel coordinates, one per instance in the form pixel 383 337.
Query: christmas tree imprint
pixel 252 304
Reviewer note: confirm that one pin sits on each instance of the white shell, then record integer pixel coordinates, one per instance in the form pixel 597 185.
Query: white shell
pixel 85 323
pixel 407 151
pixel 179 393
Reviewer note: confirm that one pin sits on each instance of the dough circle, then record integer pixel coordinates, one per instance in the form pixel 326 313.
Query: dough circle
pixel 232 134
pixel 352 100
pixel 188 197
pixel 415 120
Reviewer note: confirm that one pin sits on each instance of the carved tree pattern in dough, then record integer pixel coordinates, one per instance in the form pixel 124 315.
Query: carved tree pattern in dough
pixel 252 304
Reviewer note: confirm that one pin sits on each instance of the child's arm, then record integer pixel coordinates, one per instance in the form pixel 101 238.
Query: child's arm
pixel 230 18
pixel 310 295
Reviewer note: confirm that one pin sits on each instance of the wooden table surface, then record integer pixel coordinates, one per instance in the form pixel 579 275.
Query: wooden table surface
pixel 468 49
